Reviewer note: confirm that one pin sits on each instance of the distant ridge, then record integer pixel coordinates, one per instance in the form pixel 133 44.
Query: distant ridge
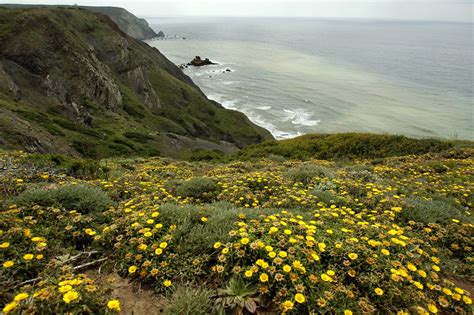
pixel 130 24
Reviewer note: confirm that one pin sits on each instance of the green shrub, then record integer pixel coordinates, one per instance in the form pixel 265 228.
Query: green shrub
pixel 198 187
pixel 345 146
pixel 188 300
pixel 430 211
pixel 306 172
pixel 82 198
pixel 328 197
pixel 206 155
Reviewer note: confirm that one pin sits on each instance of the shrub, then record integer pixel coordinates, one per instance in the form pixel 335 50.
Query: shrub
pixel 197 188
pixel 82 198
pixel 430 211
pixel 327 197
pixel 188 300
pixel 306 172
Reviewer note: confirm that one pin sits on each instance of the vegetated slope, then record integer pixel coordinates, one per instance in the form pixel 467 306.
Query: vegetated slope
pixel 347 146
pixel 382 236
pixel 71 81
pixel 126 21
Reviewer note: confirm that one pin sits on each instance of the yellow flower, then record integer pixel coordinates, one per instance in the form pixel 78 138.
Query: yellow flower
pixel 385 252
pixel 28 257
pixel 217 245
pixel 204 219
pixel 273 230
pixel 435 268
pixel 225 250
pixel 263 277
pixel 132 269
pixel 39 256
pixel 447 291
pixel 8 264
pixel 21 296
pixel 326 278
pixel 10 307
pixel 282 254
pixel 90 232
pixel 70 296
pixel 432 308
pixel 286 268
pixel 148 234
pixel 411 267
pixel 248 273
pixel 330 272
pixel 114 305
pixel 467 300
pixel 163 245
pixel 167 283
pixel 300 298
pixel 287 306
pixel 4 245
pixel 353 256
pixel 378 291
pixel 347 312
pixel 158 251
pixel 244 240
pixel 64 289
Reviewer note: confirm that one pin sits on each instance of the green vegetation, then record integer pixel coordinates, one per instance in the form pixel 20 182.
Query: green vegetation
pixel 346 146
pixel 197 188
pixel 81 198
pixel 384 235
pixel 188 301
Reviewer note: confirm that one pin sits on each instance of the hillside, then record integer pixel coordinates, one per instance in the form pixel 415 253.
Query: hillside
pixel 72 82
pixel 126 21
pixel 391 235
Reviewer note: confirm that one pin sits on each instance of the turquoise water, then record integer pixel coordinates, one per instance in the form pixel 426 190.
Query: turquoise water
pixel 295 76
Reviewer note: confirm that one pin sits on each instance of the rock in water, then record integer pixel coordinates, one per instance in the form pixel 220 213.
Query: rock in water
pixel 198 62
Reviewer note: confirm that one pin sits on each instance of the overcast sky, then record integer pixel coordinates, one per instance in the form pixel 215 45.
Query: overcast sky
pixel 434 10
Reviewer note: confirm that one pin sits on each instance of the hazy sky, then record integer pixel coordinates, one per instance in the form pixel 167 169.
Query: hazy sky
pixel 438 10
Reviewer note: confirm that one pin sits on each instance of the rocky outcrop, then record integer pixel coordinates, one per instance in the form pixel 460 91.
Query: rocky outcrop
pixel 198 62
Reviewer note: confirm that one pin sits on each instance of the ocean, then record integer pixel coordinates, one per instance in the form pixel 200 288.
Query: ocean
pixel 302 75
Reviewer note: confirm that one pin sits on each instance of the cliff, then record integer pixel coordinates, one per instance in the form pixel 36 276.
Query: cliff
pixel 71 81
pixel 126 21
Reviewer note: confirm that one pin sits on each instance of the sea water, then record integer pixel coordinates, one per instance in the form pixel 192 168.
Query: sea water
pixel 301 75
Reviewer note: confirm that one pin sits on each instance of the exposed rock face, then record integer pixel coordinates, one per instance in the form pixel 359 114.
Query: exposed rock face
pixel 198 62
pixel 73 76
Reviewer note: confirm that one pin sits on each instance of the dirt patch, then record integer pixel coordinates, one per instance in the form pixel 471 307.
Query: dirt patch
pixel 134 300
pixel 463 284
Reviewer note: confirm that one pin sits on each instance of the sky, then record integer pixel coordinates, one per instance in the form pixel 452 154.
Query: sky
pixel 425 10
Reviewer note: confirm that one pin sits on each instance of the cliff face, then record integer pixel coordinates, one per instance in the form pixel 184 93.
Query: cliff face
pixel 126 21
pixel 72 81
